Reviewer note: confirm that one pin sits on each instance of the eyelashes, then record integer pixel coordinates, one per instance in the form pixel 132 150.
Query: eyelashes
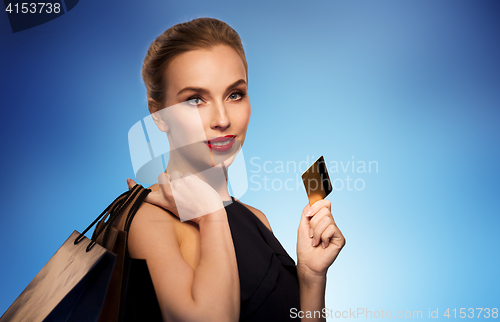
pixel 241 94
pixel 196 100
pixel 192 100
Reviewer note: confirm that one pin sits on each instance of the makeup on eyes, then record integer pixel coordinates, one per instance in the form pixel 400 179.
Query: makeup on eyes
pixel 194 97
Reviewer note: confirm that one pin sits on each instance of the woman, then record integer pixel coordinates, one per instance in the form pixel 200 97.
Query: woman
pixel 220 261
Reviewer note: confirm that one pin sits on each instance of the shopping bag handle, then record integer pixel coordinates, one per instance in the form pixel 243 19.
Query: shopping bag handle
pixel 114 209
pixel 138 199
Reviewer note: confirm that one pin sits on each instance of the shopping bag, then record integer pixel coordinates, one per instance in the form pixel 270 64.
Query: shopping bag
pixel 85 280
pixel 111 232
pixel 70 287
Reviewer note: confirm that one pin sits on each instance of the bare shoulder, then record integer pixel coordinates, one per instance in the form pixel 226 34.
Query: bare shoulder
pixel 259 214
pixel 156 232
pixel 151 227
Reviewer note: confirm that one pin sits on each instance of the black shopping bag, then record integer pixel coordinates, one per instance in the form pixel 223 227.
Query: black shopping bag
pixel 70 287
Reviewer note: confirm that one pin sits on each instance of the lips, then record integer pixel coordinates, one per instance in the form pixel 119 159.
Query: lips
pixel 221 143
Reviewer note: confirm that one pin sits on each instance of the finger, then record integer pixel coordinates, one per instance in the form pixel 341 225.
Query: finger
pixel 175 175
pixel 319 229
pixel 320 214
pixel 130 183
pixel 327 235
pixel 156 198
pixel 163 178
pixel 164 182
pixel 315 207
pixel 338 238
pixel 323 212
pixel 165 186
pixel 163 196
pixel 313 221
pixel 159 199
pixel 306 209
pixel 304 222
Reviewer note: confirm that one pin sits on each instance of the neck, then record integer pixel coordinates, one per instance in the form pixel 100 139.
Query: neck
pixel 216 176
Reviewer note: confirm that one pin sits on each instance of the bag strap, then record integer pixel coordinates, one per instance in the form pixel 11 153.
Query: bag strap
pixel 135 196
pixel 105 212
pixel 112 217
pixel 117 219
pixel 128 221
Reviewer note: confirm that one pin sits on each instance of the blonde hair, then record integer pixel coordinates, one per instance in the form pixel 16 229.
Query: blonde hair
pixel 200 33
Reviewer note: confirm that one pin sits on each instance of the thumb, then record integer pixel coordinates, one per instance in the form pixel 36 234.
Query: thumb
pixel 130 183
pixel 304 221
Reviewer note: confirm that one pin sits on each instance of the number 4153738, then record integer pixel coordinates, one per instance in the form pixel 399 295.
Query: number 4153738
pixel 470 313
pixel 34 7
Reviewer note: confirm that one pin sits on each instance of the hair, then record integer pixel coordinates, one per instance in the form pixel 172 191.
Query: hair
pixel 200 33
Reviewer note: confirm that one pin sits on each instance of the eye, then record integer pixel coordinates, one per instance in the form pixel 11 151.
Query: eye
pixel 194 100
pixel 236 96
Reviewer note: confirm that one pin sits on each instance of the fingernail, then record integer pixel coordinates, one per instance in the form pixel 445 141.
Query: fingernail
pixel 311 232
pixel 308 214
pixel 128 180
pixel 313 242
pixel 324 245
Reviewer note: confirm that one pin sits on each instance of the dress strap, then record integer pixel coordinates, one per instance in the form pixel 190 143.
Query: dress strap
pixel 228 202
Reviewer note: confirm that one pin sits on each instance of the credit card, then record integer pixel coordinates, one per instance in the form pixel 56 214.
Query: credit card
pixel 316 181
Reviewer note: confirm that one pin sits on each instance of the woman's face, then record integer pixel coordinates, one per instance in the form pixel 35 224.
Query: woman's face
pixel 208 108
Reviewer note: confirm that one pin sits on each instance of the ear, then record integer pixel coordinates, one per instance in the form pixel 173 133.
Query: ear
pixel 154 108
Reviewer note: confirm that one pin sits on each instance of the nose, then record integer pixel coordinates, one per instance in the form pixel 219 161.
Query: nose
pixel 220 118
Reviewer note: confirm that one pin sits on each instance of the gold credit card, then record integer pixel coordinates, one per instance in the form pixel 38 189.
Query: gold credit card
pixel 316 181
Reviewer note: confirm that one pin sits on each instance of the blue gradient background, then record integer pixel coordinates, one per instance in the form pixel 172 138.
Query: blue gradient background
pixel 412 85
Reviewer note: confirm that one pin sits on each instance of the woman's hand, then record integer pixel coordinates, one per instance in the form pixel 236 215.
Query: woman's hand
pixel 319 241
pixel 188 197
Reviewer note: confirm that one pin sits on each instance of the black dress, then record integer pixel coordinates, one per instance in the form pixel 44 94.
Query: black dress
pixel 269 286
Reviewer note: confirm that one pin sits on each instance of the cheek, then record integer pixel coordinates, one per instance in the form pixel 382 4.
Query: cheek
pixel 186 128
pixel 242 118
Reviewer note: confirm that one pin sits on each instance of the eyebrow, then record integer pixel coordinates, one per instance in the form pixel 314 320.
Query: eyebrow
pixel 204 91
